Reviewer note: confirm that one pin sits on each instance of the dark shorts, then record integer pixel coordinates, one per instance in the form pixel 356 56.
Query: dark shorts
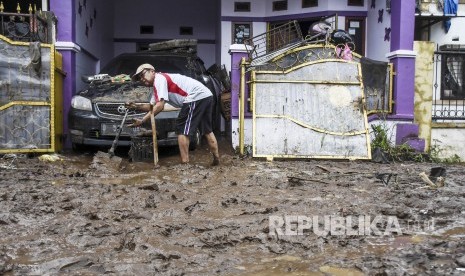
pixel 195 115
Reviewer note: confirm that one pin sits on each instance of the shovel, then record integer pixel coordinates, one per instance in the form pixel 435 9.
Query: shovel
pixel 111 151
pixel 154 138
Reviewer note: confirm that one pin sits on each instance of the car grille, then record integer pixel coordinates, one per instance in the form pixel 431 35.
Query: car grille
pixel 115 111
pixel 94 133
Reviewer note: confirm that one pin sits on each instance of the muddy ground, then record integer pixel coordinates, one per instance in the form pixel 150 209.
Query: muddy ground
pixel 76 216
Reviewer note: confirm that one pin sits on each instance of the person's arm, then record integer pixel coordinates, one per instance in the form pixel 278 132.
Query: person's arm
pixel 138 106
pixel 157 108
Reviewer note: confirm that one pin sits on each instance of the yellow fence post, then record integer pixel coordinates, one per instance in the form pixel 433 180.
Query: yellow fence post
pixel 241 108
pixel 58 101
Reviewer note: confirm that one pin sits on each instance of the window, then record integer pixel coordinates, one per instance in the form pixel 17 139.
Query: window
pixel 355 3
pixel 242 6
pixel 453 76
pixel 241 31
pixel 309 3
pixel 144 29
pixel 280 5
pixel 186 31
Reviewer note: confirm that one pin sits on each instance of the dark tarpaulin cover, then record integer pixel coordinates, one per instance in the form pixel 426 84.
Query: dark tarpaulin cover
pixel 374 75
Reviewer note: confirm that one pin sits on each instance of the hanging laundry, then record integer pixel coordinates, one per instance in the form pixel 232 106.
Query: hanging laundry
pixel 450 7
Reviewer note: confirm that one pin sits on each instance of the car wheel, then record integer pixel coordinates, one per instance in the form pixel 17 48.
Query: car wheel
pixel 77 147
pixel 195 140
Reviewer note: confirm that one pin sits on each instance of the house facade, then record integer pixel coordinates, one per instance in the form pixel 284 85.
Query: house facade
pixel 89 33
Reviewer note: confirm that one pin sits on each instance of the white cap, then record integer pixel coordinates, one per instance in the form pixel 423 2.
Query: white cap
pixel 142 68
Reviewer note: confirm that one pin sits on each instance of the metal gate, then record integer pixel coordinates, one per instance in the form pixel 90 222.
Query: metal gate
pixel 309 104
pixel 27 98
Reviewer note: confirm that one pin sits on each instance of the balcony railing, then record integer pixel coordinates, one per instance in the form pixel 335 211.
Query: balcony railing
pixel 26 27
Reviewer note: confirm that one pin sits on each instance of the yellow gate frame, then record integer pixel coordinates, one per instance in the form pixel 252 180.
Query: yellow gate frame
pixel 54 101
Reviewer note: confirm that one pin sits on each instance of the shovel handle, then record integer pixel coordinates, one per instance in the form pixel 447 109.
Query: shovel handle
pixel 118 133
pixel 154 137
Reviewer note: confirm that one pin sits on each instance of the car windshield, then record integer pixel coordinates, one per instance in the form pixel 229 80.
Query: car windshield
pixel 127 64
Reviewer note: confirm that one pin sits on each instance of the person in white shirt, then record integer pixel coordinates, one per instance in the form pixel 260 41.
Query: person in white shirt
pixel 194 99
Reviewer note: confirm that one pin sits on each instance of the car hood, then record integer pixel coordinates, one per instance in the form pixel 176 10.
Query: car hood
pixel 118 92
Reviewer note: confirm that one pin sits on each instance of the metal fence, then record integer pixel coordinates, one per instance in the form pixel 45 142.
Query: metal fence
pixel 26 27
pixel 449 87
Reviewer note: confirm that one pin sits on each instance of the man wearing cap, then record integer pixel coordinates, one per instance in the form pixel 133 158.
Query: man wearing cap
pixel 194 99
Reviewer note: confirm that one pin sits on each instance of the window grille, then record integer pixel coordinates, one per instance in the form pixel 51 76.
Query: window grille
pixel 452 72
pixel 449 86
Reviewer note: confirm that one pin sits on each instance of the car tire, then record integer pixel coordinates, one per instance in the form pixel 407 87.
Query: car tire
pixel 195 140
pixel 77 147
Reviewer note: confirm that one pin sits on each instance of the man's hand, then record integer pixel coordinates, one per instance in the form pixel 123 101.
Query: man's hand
pixel 130 105
pixel 136 123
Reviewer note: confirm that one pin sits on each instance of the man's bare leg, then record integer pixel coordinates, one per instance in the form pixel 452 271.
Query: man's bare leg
pixel 213 144
pixel 183 142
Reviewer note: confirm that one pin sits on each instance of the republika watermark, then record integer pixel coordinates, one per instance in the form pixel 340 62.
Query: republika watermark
pixel 362 225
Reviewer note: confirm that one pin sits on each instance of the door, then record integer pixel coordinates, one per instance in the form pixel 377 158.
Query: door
pixel 355 26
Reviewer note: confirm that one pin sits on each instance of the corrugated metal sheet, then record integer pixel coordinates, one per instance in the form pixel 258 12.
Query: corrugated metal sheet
pixel 26 97
pixel 313 110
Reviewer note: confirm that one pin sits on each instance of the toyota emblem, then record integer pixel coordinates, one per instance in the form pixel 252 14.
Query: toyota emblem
pixel 122 109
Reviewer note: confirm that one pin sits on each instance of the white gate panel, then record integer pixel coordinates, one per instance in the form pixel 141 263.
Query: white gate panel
pixel 314 110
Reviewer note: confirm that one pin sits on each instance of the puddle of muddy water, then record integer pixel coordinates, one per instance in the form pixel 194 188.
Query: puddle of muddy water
pixel 457 232
pixel 295 266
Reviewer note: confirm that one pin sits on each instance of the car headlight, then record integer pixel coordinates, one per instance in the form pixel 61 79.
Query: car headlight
pixel 81 103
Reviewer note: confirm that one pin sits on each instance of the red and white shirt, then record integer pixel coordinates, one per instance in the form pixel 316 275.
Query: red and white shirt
pixel 177 89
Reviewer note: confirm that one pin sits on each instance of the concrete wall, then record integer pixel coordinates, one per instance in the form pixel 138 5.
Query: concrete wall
pixel 449 141
pixel 424 88
pixel 166 18
pixel 94 34
pixel 456 34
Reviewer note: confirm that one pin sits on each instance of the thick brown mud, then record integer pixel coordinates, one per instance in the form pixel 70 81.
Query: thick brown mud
pixel 77 216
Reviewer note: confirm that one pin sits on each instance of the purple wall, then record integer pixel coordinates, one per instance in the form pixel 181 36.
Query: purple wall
pixel 65 12
pixel 235 83
pixel 402 34
pixel 402 24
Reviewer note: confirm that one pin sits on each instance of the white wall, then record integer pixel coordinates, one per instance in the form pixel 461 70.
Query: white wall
pixel 376 46
pixel 248 133
pixel 449 141
pixel 226 39
pixel 457 30
pixel 342 5
pixel 388 126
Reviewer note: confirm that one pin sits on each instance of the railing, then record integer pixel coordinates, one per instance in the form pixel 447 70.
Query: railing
pixel 274 41
pixel 449 86
pixel 26 27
